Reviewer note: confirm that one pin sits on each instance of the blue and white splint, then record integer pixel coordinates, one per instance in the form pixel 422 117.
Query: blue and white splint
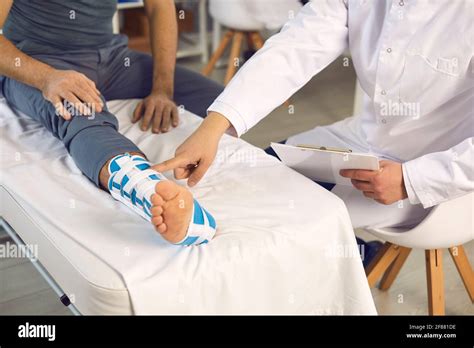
pixel 132 182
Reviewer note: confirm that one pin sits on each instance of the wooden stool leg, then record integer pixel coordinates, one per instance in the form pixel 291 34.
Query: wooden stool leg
pixel 248 36
pixel 392 272
pixel 381 262
pixel 218 53
pixel 464 268
pixel 434 277
pixel 256 39
pixel 234 54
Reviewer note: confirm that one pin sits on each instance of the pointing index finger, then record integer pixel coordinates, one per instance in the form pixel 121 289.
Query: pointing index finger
pixel 173 163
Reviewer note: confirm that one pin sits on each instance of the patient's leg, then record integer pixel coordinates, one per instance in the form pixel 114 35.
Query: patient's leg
pixel 169 207
pixel 93 142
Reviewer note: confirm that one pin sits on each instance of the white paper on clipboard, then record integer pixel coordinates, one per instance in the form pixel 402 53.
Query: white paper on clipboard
pixel 324 165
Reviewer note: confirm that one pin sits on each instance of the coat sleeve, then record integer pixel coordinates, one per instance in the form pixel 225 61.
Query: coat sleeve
pixel 440 176
pixel 306 45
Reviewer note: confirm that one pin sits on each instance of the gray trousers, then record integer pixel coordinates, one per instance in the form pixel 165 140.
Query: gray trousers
pixel 119 73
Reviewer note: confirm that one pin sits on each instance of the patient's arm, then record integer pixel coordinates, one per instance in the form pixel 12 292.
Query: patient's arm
pixel 14 63
pixel 56 85
pixel 158 110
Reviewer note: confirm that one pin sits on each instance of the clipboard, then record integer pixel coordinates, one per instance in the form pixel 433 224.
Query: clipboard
pixel 324 163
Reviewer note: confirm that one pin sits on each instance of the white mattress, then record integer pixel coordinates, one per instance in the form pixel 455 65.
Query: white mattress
pixel 277 249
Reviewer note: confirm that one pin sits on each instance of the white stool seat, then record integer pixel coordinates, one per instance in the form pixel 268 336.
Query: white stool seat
pixel 234 14
pixel 447 225
pixel 253 15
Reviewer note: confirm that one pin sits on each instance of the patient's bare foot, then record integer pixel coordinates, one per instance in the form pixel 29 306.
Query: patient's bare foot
pixel 171 210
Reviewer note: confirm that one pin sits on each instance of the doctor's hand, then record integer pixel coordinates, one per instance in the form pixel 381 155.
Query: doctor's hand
pixel 158 111
pixel 386 185
pixel 194 157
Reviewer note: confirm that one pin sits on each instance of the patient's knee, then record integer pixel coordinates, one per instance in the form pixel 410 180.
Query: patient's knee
pixel 103 118
pixel 81 123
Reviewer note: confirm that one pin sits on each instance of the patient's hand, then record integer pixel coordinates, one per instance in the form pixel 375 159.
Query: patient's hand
pixel 386 186
pixel 158 111
pixel 74 87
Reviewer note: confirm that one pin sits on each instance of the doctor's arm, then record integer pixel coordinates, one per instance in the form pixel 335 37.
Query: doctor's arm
pixel 385 186
pixel 427 180
pixel 158 110
pixel 440 176
pixel 287 61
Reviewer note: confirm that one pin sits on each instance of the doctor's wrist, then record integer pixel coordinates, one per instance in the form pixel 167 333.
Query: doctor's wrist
pixel 217 123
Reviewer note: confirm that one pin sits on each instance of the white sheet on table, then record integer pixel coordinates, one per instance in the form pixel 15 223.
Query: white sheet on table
pixel 276 249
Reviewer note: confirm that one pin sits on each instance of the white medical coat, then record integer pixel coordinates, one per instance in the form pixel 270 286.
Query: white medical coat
pixel 414 61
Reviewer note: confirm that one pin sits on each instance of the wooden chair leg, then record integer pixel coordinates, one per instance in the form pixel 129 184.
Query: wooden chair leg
pixel 392 272
pixel 464 268
pixel 218 53
pixel 381 262
pixel 256 39
pixel 234 54
pixel 434 277
pixel 248 36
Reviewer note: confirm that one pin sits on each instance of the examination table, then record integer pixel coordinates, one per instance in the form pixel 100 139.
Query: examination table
pixel 284 245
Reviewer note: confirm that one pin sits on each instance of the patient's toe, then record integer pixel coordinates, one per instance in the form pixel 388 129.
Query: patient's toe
pixel 157 220
pixel 157 200
pixel 156 210
pixel 161 228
